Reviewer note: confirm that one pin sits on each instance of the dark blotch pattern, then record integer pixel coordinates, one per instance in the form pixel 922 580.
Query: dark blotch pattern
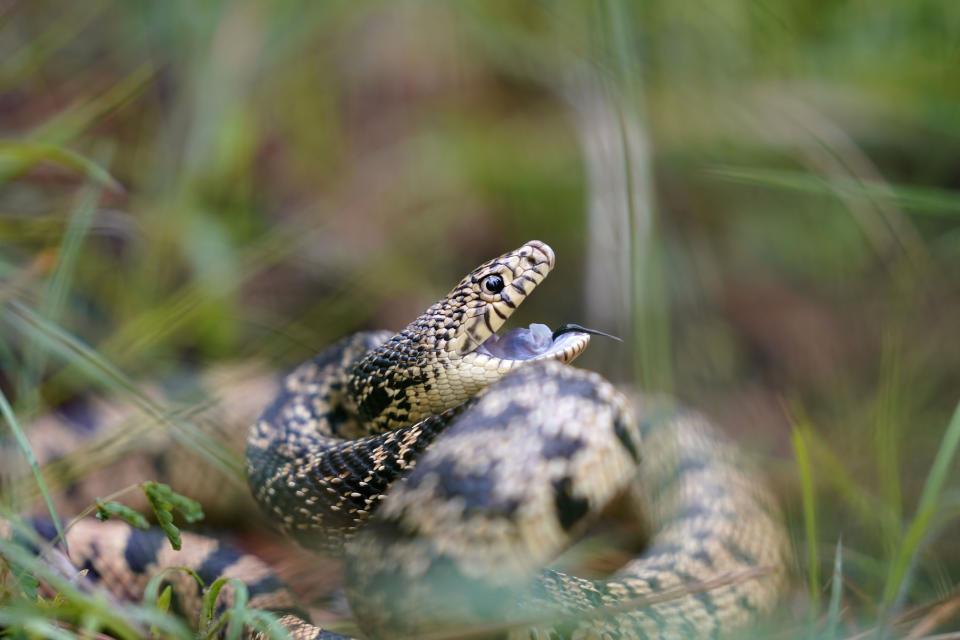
pixel 570 508
pixel 560 447
pixel 475 489
pixel 217 562
pixel 142 549
pixel 623 435
pixel 80 414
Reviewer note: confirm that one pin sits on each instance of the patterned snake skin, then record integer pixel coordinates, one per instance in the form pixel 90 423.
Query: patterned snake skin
pixel 450 465
pixel 514 453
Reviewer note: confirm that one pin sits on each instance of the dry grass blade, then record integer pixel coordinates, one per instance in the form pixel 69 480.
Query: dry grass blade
pixel 939 614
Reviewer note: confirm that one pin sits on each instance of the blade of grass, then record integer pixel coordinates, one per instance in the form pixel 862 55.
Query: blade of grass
pixel 887 434
pixel 937 616
pixel 27 451
pixel 924 200
pixel 808 496
pixel 836 592
pixel 16 158
pixel 926 510
pixel 623 85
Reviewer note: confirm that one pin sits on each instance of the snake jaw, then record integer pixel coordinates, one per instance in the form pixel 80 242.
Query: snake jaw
pixel 533 344
pixel 476 343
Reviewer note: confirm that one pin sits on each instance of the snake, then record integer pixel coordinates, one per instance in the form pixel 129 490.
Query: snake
pixel 450 464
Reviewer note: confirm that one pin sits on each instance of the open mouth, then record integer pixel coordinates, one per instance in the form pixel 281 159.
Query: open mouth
pixel 539 342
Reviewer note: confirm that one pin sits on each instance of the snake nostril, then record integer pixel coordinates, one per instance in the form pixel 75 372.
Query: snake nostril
pixel 542 252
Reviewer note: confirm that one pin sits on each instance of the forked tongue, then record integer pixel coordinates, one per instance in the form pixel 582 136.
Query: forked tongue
pixel 575 328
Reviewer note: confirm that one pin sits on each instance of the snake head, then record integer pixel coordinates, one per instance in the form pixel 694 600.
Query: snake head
pixel 478 306
pixel 452 350
pixel 487 298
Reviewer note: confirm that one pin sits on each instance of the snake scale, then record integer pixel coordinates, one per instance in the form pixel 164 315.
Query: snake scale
pixel 450 465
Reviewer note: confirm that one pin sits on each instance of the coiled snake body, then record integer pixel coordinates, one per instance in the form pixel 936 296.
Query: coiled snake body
pixel 505 454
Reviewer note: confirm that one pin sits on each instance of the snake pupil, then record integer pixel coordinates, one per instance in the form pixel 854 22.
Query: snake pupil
pixel 493 284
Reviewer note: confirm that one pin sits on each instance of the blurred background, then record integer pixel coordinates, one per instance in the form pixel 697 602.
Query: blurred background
pixel 761 197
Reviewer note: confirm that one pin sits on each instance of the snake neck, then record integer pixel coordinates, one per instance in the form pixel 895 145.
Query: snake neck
pixel 406 379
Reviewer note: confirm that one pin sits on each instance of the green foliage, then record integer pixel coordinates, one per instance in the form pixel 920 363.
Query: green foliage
pixel 210 601
pixel 72 605
pixel 164 500
pixel 107 510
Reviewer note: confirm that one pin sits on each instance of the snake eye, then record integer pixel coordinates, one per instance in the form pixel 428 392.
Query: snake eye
pixel 492 284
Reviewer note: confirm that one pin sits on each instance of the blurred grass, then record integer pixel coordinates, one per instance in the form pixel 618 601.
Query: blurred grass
pixel 185 184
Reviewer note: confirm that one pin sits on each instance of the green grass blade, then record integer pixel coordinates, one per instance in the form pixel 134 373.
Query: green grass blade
pixel 888 438
pixel 808 495
pixel 925 200
pixel 836 592
pixel 16 158
pixel 27 451
pixel 926 510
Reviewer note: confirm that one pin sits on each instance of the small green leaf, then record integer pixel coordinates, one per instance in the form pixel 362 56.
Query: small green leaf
pixel 27 582
pixel 210 601
pixel 235 618
pixel 163 602
pixel 107 510
pixel 164 500
pixel 163 605
pixel 150 592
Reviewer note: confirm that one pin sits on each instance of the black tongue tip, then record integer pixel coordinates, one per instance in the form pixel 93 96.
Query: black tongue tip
pixel 570 328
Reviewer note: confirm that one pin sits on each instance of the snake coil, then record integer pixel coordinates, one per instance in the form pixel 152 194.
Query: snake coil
pixel 451 464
